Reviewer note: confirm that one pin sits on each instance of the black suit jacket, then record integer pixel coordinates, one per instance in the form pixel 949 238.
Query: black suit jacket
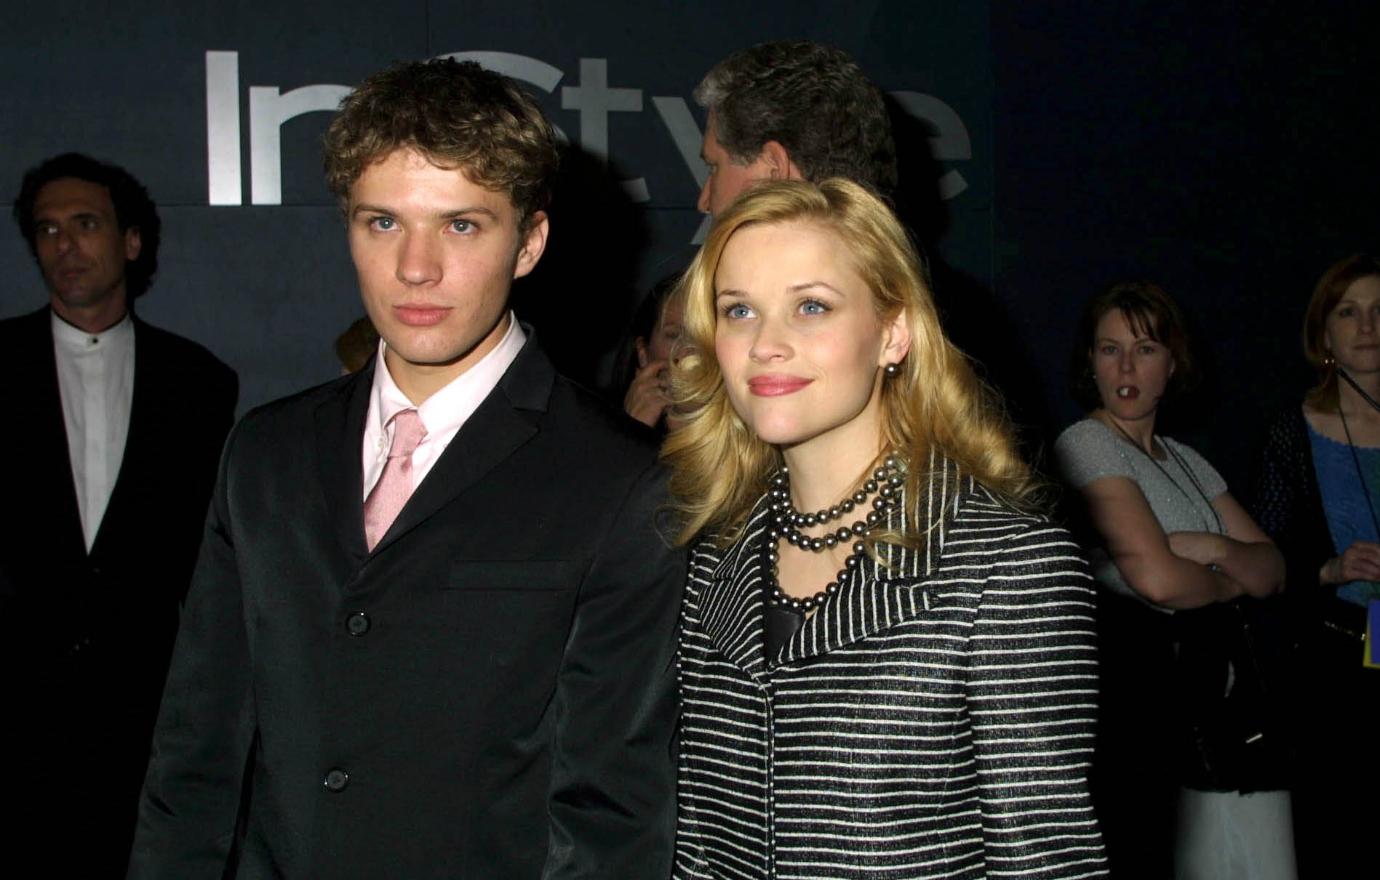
pixel 487 694
pixel 88 635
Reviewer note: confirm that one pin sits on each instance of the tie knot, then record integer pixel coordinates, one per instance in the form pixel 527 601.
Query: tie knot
pixel 408 433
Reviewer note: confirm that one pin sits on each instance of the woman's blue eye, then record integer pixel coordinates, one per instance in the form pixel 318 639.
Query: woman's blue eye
pixel 737 310
pixel 813 307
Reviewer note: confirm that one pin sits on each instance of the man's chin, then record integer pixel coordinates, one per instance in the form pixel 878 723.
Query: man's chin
pixel 408 354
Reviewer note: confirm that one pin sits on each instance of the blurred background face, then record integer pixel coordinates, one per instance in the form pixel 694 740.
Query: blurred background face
pixel 1131 369
pixel 80 247
pixel 1350 331
pixel 661 344
pixel 727 178
pixel 798 338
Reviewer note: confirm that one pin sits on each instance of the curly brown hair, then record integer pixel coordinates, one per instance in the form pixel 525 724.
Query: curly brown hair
pixel 134 209
pixel 812 99
pixel 458 115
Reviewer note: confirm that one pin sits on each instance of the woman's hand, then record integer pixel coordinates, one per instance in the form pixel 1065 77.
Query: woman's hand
pixel 647 397
pixel 1359 562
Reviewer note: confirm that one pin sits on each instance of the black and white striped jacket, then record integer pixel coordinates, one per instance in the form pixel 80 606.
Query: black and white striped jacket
pixel 934 718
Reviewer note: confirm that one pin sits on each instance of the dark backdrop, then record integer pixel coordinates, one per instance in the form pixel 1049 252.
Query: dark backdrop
pixel 1048 149
pixel 1225 150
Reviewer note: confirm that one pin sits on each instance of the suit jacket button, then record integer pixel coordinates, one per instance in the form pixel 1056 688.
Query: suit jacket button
pixel 336 779
pixel 357 624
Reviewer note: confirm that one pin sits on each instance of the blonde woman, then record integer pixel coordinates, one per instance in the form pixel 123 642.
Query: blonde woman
pixel 886 658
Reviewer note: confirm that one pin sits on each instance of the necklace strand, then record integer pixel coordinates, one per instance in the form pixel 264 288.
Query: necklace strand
pixel 1183 466
pixel 1355 457
pixel 886 480
pixel 1355 386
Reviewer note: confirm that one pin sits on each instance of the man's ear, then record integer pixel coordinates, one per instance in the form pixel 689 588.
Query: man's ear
pixel 777 160
pixel 133 243
pixel 533 244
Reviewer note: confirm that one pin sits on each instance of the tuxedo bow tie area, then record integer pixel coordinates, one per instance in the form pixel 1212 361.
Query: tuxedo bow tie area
pixel 395 484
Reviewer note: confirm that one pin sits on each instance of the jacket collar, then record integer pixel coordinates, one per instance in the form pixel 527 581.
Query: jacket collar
pixel 507 419
pixel 881 593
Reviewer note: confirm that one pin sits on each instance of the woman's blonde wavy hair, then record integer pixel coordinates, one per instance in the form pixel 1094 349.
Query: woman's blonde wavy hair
pixel 935 403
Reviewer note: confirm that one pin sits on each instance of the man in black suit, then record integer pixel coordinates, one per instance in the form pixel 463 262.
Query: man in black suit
pixel 433 616
pixel 112 435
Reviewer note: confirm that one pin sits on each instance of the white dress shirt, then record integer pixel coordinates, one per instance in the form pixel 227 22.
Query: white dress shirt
pixel 442 414
pixel 95 374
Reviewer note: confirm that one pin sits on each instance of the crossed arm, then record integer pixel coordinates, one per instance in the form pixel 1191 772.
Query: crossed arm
pixel 1183 569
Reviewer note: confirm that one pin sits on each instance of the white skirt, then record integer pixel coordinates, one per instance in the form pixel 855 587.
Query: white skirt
pixel 1226 835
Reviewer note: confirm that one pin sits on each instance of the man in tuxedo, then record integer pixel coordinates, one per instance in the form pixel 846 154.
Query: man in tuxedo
pixel 433 618
pixel 112 435
pixel 792 109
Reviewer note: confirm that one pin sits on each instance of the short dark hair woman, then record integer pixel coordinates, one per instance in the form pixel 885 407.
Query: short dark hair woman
pixel 1172 538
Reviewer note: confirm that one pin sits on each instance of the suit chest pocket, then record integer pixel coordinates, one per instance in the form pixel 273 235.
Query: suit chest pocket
pixel 513 575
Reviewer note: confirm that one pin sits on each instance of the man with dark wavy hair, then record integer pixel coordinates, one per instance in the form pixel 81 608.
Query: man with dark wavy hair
pixel 431 630
pixel 792 109
pixel 113 431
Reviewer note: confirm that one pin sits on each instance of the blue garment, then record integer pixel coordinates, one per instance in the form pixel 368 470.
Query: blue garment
pixel 1344 500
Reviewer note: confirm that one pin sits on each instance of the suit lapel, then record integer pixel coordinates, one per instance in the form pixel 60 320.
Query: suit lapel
pixel 143 429
pixel 339 435
pixel 492 434
pixel 731 605
pixel 497 429
pixel 883 593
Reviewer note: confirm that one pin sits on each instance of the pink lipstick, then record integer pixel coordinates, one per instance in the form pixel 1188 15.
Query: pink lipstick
pixel 776 385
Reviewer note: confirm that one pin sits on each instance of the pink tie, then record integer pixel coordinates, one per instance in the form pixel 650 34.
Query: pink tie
pixel 395 484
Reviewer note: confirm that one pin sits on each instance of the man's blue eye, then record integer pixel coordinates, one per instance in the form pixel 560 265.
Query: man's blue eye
pixel 461 225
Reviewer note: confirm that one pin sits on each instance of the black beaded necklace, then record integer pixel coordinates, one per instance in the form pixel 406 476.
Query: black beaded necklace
pixel 1356 458
pixel 785 614
pixel 1183 466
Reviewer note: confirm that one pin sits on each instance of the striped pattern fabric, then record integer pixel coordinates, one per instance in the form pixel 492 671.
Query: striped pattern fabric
pixel 934 718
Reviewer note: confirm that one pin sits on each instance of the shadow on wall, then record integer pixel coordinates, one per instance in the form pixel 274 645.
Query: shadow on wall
pixel 583 292
pixel 972 316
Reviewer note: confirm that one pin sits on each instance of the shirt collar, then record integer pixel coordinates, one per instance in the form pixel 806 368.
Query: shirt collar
pixel 447 409
pixel 74 339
